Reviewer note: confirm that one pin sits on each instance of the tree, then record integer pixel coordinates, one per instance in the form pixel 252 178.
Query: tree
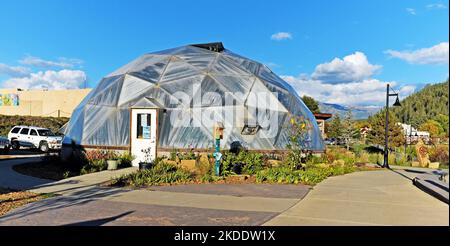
pixel 334 130
pixel 425 104
pixel 444 122
pixel 433 127
pixel 377 131
pixel 311 103
pixel 349 130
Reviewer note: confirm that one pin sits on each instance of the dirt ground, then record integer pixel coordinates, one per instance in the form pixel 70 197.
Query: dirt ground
pixel 11 199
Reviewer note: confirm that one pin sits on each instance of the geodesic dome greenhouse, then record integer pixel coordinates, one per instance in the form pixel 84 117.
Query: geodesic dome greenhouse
pixel 202 71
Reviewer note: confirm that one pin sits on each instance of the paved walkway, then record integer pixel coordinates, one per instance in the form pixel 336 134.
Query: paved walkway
pixel 11 179
pixel 83 202
pixel 366 198
pixel 363 198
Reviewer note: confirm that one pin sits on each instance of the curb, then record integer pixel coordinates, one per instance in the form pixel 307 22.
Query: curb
pixel 424 186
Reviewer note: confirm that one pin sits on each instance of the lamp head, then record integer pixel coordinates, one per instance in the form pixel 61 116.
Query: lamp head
pixel 397 102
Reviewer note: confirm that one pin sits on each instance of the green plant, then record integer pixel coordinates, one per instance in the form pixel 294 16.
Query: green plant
pixel 298 131
pixel 94 161
pixel 66 174
pixel 160 173
pixel 173 155
pixel 245 162
pixel 253 162
pixel 208 178
pixel 126 160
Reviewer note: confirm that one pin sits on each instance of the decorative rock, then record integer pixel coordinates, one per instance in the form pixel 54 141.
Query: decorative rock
pixel 434 165
pixel 422 154
pixel 415 164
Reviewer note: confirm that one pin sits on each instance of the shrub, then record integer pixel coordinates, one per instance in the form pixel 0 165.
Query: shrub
pixel 208 178
pixel 253 162
pixel 338 153
pixel 95 160
pixel 439 154
pixel 245 162
pixel 310 176
pixel 160 173
pixel 188 156
pixel 363 157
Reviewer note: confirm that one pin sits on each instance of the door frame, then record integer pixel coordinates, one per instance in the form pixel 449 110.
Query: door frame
pixel 157 127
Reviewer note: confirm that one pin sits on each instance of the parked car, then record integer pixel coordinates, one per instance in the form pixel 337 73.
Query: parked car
pixel 4 145
pixel 330 141
pixel 34 137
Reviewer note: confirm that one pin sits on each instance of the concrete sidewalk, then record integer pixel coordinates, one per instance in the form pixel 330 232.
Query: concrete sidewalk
pixel 366 198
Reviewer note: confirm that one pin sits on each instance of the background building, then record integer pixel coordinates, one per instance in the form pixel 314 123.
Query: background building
pixel 413 135
pixel 56 103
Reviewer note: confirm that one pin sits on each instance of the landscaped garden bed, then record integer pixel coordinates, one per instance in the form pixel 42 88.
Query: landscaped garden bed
pixel 53 168
pixel 245 168
pixel 11 199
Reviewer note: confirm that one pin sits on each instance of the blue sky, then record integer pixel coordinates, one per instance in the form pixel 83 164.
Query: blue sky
pixel 72 43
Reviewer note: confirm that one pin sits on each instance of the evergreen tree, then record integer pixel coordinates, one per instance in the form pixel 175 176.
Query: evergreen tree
pixel 349 130
pixel 428 103
pixel 376 135
pixel 335 127
pixel 311 103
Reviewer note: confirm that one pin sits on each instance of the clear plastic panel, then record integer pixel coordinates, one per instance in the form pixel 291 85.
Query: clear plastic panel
pixel 225 66
pixel 132 88
pixel 109 96
pixel 142 63
pixel 178 69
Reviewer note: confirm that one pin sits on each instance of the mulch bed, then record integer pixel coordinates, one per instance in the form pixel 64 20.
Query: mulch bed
pixel 11 199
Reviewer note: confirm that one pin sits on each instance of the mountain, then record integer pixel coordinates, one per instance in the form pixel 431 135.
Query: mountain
pixel 358 112
pixel 428 103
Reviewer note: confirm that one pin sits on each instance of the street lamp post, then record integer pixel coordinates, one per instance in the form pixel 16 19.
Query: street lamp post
pixel 386 133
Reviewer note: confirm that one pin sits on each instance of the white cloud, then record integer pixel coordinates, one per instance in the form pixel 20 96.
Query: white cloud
pixel 437 54
pixel 281 36
pixel 411 11
pixel 367 92
pixel 436 6
pixel 14 71
pixel 354 67
pixel 64 79
pixel 61 63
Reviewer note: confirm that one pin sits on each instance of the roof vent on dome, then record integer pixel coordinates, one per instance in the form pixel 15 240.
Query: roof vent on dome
pixel 215 47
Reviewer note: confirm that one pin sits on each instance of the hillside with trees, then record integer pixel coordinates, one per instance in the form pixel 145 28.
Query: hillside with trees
pixel 7 122
pixel 427 109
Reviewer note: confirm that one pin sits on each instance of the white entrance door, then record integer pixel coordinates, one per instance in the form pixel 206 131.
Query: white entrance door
pixel 143 135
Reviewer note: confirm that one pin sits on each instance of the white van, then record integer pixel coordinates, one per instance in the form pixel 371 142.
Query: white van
pixel 34 137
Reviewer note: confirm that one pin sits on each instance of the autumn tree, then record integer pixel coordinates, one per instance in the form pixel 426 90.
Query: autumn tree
pixel 433 127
